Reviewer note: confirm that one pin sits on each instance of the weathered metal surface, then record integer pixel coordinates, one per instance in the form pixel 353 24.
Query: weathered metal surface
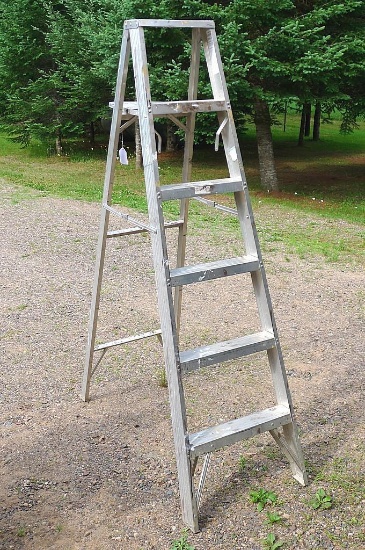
pixel 130 219
pixel 208 187
pixel 189 447
pixel 199 273
pixel 136 230
pixel 161 265
pixel 212 439
pixel 219 352
pixel 169 23
pixel 104 216
pixel 128 339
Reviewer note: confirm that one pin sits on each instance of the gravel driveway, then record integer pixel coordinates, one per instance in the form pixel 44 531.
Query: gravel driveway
pixel 102 475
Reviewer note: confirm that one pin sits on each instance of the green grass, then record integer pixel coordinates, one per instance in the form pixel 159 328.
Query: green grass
pixel 322 183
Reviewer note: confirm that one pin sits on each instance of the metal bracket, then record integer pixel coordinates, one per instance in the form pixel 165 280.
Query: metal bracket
pixel 159 142
pixel 127 124
pixel 177 122
pixel 129 218
pixel 218 133
pixel 202 479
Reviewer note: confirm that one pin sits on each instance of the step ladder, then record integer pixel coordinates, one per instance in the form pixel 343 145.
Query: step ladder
pixel 279 419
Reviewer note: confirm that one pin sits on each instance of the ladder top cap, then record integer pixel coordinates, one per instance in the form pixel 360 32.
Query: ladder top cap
pixel 172 23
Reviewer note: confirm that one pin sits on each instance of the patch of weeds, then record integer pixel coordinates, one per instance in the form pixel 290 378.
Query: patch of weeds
pixel 182 543
pixel 261 497
pixel 321 501
pixel 271 542
pixel 242 463
pixel 272 452
pixel 59 528
pixel 273 517
pixel 21 532
pixel 162 378
pixel 309 467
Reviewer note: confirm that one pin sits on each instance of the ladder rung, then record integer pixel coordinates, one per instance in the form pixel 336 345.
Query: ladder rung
pixel 215 438
pixel 209 187
pixel 160 108
pixel 213 270
pixel 225 351
pixel 127 340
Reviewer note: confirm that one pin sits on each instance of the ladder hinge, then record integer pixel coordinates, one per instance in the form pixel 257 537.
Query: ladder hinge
pixel 131 24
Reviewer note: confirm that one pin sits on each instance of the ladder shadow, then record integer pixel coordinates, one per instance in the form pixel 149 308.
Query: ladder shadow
pixel 231 488
pixel 331 419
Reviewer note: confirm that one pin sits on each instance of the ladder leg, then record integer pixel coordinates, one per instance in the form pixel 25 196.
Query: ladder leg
pixel 187 166
pixel 162 273
pixel 104 217
pixel 288 440
pixel 289 444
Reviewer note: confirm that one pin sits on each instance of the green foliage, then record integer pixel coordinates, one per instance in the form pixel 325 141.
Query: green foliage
pixel 162 378
pixel 261 497
pixel 182 543
pixel 321 501
pixel 271 543
pixel 58 60
pixel 242 463
pixel 21 532
pixel 272 517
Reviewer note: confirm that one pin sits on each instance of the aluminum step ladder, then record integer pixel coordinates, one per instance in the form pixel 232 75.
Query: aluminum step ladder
pixel 279 419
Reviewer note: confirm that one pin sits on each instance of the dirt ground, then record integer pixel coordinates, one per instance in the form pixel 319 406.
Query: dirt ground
pixel 101 475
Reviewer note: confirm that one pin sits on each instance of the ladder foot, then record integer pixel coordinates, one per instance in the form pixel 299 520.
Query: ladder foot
pixel 289 444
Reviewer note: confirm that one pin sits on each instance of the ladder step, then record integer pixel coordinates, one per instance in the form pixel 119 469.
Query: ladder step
pixel 169 23
pixel 196 188
pixel 215 438
pixel 177 108
pixel 205 356
pixel 213 270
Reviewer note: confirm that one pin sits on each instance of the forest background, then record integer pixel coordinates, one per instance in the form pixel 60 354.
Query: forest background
pixel 58 65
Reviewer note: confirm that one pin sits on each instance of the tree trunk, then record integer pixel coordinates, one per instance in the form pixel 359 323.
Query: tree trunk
pixel 92 134
pixel 308 109
pixel 285 115
pixel 265 147
pixel 302 127
pixel 171 141
pixel 139 158
pixel 59 148
pixel 317 121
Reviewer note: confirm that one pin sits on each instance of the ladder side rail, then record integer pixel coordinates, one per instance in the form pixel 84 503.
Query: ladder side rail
pixel 162 272
pixel 104 216
pixel 236 169
pixel 244 208
pixel 259 280
pixel 243 203
pixel 187 166
pixel 230 140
